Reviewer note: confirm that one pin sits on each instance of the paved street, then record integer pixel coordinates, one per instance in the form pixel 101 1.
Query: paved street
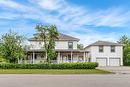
pixel 113 80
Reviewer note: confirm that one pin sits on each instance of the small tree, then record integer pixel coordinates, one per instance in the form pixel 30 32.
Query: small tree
pixel 53 35
pixel 80 46
pixel 125 40
pixel 48 34
pixel 11 47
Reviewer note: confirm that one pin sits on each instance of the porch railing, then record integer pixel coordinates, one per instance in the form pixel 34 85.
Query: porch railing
pixel 35 61
pixel 44 61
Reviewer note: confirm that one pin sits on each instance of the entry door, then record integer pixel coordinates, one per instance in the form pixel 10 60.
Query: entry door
pixel 69 58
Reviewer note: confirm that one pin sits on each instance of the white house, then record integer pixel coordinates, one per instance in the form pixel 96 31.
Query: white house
pixel 66 48
pixel 105 53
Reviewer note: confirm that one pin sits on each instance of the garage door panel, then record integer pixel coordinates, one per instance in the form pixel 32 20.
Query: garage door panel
pixel 114 61
pixel 101 61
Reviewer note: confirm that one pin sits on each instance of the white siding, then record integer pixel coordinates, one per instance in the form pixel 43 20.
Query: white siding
pixel 94 53
pixel 94 50
pixel 35 45
pixel 59 44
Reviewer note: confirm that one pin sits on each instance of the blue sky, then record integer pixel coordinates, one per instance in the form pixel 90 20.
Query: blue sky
pixel 88 20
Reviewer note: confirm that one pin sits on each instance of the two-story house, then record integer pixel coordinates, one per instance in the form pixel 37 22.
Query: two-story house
pixel 65 46
pixel 106 53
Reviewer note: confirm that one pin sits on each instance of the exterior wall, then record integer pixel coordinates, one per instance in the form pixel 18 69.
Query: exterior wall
pixel 106 53
pixel 59 44
pixel 63 57
pixel 76 57
pixel 35 44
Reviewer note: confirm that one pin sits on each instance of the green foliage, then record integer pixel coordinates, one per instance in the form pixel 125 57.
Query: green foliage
pixel 48 34
pixel 125 40
pixel 11 47
pixel 86 65
pixel 80 46
pixel 3 60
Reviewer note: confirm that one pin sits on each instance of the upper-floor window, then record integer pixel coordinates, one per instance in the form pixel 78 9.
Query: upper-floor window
pixel 112 48
pixel 70 45
pixel 100 48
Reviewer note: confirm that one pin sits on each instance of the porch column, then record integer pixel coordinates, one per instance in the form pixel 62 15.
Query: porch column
pixel 84 57
pixel 71 56
pixel 87 56
pixel 58 58
pixel 33 57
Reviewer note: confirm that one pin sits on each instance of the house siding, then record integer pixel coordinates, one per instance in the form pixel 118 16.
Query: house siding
pixel 94 50
pixel 59 44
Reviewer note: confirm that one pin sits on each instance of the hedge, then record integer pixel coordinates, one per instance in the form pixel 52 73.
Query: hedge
pixel 85 65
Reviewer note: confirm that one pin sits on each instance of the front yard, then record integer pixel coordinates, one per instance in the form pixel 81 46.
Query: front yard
pixel 53 71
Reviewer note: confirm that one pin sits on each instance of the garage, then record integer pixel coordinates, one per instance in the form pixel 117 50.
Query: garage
pixel 114 61
pixel 101 61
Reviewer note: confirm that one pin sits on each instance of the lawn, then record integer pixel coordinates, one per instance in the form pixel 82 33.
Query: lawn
pixel 53 71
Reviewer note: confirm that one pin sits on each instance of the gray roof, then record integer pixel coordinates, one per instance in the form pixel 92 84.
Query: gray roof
pixel 104 43
pixel 58 50
pixel 61 37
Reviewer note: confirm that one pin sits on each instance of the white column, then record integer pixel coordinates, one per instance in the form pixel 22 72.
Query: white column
pixel 58 58
pixel 71 56
pixel 108 61
pixel 84 56
pixel 33 57
pixel 87 57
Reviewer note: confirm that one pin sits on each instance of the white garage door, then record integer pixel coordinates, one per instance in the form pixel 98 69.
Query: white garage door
pixel 114 61
pixel 101 61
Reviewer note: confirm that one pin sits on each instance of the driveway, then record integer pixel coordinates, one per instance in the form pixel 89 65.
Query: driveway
pixel 118 70
pixel 91 80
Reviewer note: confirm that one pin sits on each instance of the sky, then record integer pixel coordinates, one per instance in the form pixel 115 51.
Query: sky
pixel 88 20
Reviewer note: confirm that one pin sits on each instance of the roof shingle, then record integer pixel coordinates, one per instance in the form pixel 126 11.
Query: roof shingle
pixel 104 43
pixel 62 37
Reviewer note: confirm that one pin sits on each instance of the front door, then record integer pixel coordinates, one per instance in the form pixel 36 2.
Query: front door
pixel 69 58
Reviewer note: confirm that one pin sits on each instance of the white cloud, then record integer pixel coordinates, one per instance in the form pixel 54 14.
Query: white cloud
pixel 89 38
pixel 10 4
pixel 68 17
pixel 50 4
pixel 113 17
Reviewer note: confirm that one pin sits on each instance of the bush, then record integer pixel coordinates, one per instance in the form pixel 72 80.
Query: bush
pixel 86 65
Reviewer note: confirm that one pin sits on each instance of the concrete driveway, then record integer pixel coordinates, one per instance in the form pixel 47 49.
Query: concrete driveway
pixel 90 80
pixel 118 70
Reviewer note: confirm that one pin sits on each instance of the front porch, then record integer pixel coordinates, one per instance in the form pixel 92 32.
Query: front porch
pixel 72 56
pixel 63 56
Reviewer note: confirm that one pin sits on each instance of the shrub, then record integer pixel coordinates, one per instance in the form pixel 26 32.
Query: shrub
pixel 85 65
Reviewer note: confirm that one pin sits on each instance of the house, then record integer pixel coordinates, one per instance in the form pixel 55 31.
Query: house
pixel 106 53
pixel 65 46
pixel 103 52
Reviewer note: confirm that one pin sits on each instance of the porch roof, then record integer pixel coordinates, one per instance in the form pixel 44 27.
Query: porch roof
pixel 58 50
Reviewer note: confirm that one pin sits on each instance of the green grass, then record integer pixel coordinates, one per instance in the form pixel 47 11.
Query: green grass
pixel 53 71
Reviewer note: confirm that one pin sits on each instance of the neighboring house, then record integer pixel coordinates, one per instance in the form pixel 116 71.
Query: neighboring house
pixel 105 53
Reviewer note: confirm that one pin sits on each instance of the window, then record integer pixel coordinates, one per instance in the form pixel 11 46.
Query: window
pixel 100 48
pixel 40 43
pixel 112 48
pixel 70 45
pixel 80 58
